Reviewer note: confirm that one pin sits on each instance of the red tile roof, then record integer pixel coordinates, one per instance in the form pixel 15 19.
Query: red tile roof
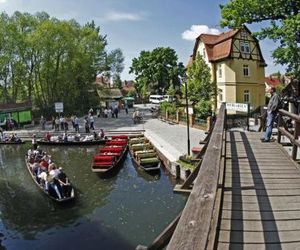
pixel 272 81
pixel 218 46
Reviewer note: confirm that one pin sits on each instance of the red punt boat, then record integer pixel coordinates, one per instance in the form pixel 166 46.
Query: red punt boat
pixel 110 156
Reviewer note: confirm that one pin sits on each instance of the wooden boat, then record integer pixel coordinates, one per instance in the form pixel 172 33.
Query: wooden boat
pixel 144 155
pixel 48 194
pixel 71 143
pixel 111 156
pixel 12 142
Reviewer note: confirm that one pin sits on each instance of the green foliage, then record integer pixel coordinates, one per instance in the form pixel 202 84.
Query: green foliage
pixel 167 106
pixel 45 60
pixel 131 93
pixel 156 70
pixel 203 108
pixel 117 81
pixel 171 90
pixel 283 26
pixel 199 85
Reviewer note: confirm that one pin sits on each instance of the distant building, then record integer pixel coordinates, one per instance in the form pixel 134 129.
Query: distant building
pixel 127 86
pixel 19 112
pixel 237 66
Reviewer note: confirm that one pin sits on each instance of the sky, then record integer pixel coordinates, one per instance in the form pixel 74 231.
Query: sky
pixel 137 25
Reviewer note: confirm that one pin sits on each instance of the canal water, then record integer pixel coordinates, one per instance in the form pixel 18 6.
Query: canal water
pixel 120 212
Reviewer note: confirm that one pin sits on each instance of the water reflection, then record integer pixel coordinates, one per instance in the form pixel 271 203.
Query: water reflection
pixel 116 213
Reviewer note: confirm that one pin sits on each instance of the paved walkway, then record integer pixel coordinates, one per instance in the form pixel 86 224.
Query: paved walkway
pixel 170 139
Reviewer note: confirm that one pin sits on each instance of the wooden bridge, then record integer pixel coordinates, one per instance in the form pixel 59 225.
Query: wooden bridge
pixel 245 194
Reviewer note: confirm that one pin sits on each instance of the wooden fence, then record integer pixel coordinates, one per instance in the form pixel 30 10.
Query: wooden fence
pixel 292 133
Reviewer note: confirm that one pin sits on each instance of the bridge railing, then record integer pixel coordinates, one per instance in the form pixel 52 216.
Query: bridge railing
pixel 292 133
pixel 197 225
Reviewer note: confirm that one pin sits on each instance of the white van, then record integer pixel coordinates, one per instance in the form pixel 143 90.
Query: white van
pixel 156 99
pixel 169 98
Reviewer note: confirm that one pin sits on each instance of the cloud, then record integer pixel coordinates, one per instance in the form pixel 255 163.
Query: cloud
pixel 197 30
pixel 122 16
pixel 3 1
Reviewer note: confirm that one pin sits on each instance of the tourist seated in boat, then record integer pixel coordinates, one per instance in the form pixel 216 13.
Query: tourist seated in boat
pixel 65 137
pixel 96 137
pixel 101 134
pixel 88 138
pixel 43 180
pixel 17 138
pixel 12 138
pixel 77 137
pixel 5 138
pixel 36 169
pixel 47 136
pixel 44 163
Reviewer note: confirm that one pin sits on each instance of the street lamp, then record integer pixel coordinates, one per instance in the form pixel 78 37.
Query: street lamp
pixel 184 80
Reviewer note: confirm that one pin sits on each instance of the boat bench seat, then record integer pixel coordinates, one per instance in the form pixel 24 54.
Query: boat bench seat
pixel 102 164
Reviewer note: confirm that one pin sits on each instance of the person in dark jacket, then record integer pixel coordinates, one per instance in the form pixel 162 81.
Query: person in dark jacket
pixel 272 110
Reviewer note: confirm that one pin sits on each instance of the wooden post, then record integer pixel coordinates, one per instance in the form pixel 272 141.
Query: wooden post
pixel 278 126
pixel 296 135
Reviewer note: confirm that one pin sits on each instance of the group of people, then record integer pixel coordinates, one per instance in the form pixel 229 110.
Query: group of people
pixel 10 138
pixel 47 174
pixel 65 137
pixel 111 112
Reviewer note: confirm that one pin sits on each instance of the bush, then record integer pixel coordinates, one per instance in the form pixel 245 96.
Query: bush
pixel 203 109
pixel 167 106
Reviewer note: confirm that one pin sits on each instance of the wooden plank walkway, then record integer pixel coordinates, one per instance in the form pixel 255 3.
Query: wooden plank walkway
pixel 261 199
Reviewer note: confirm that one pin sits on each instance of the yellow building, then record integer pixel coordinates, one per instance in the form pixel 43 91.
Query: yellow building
pixel 237 66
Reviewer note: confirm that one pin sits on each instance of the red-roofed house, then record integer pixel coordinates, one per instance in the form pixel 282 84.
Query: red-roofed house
pixel 272 82
pixel 237 66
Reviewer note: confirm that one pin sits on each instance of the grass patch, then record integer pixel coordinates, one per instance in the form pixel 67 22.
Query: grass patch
pixel 187 165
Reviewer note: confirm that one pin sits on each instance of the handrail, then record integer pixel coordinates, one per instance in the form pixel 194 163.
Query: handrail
pixel 291 134
pixel 193 228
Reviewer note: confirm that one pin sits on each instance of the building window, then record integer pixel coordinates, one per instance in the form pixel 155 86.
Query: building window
pixel 220 95
pixel 203 53
pixel 246 96
pixel 244 35
pixel 245 47
pixel 220 70
pixel 246 70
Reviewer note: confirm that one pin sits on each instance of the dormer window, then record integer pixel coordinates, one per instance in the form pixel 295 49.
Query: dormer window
pixel 245 47
pixel 244 35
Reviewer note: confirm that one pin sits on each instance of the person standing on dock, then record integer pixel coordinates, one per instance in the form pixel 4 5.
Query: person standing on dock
pixel 272 110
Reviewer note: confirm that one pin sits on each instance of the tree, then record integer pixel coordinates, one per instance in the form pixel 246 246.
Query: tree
pixel 199 85
pixel 156 70
pixel 45 60
pixel 282 18
pixel 117 81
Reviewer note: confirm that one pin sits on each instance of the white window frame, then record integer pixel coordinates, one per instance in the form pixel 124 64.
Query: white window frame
pixel 204 54
pixel 247 96
pixel 246 70
pixel 245 47
pixel 244 35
